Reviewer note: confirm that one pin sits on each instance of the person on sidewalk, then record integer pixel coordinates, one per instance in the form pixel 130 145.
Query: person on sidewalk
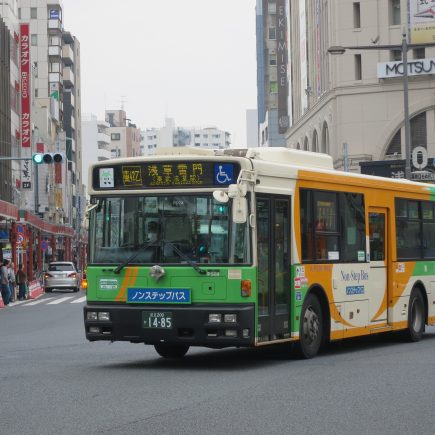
pixel 4 282
pixel 11 271
pixel 22 282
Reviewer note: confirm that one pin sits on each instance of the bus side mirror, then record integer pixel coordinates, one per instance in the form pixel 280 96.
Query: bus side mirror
pixel 237 192
pixel 240 210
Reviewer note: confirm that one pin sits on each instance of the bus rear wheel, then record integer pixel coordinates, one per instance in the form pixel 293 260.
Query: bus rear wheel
pixel 171 350
pixel 311 328
pixel 416 316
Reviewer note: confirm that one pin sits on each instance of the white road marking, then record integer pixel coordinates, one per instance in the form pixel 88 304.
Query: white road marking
pixel 12 304
pixel 78 300
pixel 39 301
pixel 58 301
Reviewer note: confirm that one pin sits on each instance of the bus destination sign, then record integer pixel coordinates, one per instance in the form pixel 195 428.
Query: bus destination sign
pixel 154 175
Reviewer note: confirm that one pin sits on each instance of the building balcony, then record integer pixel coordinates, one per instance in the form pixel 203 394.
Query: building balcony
pixel 103 138
pixel 103 154
pixel 54 25
pixel 73 100
pixel 73 123
pixel 54 77
pixel 67 55
pixel 67 37
pixel 54 50
pixel 68 77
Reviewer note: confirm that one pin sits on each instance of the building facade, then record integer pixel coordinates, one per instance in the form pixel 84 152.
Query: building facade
pixel 40 210
pixel 9 101
pixel 352 105
pixel 170 136
pixel 96 142
pixel 125 137
pixel 272 73
pixel 55 57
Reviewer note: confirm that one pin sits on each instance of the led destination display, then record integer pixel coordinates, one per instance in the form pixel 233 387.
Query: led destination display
pixel 165 174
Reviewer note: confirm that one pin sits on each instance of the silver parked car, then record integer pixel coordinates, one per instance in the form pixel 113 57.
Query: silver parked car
pixel 61 275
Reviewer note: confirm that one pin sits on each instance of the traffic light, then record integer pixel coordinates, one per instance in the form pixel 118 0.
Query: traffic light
pixel 39 158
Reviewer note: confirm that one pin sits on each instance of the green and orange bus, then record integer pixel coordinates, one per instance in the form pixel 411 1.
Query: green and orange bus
pixel 255 247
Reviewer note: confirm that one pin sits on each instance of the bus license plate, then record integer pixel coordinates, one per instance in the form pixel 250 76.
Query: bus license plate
pixel 157 320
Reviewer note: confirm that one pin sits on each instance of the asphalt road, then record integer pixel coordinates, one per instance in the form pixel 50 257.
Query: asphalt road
pixel 52 381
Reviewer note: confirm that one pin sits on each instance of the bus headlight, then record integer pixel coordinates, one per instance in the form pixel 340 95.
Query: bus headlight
pixel 92 315
pixel 215 318
pixel 230 318
pixel 104 315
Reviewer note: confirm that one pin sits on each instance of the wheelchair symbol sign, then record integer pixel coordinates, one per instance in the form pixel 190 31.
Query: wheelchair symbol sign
pixel 223 174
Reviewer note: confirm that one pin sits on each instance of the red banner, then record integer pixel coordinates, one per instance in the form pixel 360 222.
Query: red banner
pixel 25 86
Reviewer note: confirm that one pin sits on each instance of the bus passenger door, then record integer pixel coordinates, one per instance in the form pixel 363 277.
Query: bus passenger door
pixel 273 253
pixel 378 265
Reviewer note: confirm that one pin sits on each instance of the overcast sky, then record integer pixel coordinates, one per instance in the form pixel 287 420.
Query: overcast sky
pixel 191 60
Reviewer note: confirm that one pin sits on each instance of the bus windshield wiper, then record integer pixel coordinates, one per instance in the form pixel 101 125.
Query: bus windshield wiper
pixel 184 257
pixel 142 247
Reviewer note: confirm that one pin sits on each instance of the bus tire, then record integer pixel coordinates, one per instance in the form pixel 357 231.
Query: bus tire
pixel 171 350
pixel 416 316
pixel 311 328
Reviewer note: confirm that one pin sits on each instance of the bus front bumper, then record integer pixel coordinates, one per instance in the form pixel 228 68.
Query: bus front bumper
pixel 194 325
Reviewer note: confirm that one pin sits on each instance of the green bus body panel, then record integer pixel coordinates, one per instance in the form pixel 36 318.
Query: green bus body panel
pixel 216 286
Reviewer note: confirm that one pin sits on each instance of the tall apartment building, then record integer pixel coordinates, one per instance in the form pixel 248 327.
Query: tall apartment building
pixel 352 105
pixel 9 101
pixel 55 56
pixel 172 136
pixel 272 75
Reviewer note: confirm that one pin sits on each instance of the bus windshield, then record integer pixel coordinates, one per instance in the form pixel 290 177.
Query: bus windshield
pixel 199 226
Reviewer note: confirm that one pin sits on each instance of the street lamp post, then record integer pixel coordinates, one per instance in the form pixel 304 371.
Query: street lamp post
pixel 404 47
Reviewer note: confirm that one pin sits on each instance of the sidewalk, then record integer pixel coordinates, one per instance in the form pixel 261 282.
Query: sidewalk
pixel 35 291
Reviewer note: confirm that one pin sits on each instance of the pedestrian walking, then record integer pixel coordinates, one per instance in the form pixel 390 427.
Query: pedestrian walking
pixel 12 283
pixel 22 282
pixel 4 282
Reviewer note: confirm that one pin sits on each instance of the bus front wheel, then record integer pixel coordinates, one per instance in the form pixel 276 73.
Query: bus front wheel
pixel 416 316
pixel 311 327
pixel 171 350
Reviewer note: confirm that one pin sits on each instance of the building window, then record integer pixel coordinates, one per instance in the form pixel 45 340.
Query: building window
pixel 271 8
pixel 273 87
pixel 419 131
pixel 356 15
pixel 19 13
pixel 54 67
pixel 33 13
pixel 272 32
pixel 36 93
pixel 358 67
pixel 394 12
pixel 419 53
pixel 34 39
pixel 395 146
pixel 396 55
pixel 115 136
pixel 272 59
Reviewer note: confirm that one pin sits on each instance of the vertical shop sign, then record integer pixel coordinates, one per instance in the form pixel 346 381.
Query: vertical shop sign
pixel 25 85
pixel 421 21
